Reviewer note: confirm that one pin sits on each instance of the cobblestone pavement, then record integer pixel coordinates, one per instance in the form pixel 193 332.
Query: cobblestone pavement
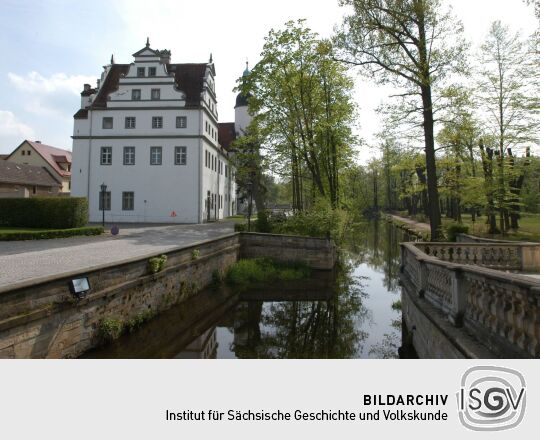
pixel 26 260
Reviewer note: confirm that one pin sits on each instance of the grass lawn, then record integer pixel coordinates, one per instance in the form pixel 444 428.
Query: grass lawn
pixel 529 228
pixel 12 234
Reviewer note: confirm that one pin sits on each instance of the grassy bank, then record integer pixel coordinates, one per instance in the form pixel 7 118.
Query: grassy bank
pixel 13 234
pixel 264 270
pixel 529 229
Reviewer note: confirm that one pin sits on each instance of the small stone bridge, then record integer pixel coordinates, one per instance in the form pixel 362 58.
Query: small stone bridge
pixel 471 299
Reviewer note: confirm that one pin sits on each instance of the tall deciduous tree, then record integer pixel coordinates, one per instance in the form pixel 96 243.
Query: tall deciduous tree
pixel 505 95
pixel 302 99
pixel 412 45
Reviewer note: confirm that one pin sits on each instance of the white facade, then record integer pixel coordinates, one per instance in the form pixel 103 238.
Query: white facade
pixel 159 155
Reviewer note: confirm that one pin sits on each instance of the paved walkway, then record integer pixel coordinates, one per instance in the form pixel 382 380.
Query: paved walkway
pixel 413 224
pixel 26 260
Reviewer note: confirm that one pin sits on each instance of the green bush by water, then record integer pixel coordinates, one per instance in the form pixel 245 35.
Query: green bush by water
pixel 262 270
pixel 44 212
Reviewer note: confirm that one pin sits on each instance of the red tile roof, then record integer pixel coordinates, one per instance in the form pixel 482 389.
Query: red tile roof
pixel 53 156
pixel 226 134
pixel 11 172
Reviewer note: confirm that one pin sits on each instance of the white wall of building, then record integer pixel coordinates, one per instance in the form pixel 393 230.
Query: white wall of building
pixel 165 193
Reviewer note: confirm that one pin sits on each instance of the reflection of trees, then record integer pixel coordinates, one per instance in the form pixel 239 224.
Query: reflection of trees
pixel 298 329
pixel 377 244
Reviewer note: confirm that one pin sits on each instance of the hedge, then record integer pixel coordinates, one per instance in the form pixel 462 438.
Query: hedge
pixel 51 233
pixel 44 212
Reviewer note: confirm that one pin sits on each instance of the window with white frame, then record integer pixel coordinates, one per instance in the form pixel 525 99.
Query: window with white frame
pixel 129 155
pixel 156 155
pixel 155 94
pixel 140 71
pixel 180 155
pixel 157 122
pixel 136 94
pixel 181 122
pixel 151 71
pixel 106 156
pixel 130 122
pixel 128 201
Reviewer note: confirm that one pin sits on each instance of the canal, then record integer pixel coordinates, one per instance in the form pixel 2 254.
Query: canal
pixel 354 312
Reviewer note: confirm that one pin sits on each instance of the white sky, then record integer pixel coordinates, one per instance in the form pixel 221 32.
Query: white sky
pixel 57 45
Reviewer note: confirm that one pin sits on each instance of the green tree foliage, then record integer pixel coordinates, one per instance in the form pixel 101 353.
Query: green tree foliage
pixel 509 108
pixel 410 44
pixel 301 99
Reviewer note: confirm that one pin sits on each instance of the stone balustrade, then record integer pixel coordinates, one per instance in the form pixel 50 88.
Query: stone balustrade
pixel 497 255
pixel 500 310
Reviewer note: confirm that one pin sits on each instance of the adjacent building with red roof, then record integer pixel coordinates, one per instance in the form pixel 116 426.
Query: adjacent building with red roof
pixel 56 161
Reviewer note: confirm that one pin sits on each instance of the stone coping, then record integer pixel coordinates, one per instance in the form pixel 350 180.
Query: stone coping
pixel 81 272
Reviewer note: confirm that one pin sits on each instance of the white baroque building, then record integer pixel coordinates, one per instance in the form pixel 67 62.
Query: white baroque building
pixel 149 131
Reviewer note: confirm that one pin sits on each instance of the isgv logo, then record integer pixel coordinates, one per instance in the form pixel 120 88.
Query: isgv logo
pixel 491 399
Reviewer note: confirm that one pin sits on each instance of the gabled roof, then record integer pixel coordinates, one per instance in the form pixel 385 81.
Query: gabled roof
pixel 11 172
pixel 51 154
pixel 226 134
pixel 150 52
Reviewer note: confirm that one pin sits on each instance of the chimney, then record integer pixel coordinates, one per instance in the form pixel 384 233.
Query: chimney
pixel 37 142
pixel 87 87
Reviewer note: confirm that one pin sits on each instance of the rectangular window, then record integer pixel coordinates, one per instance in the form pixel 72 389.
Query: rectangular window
pixel 226 171
pixel 105 201
pixel 128 201
pixel 180 155
pixel 156 93
pixel 136 94
pixel 151 71
pixel 129 155
pixel 106 156
pixel 157 122
pixel 155 155
pixel 181 122
pixel 140 71
pixel 107 123
pixel 130 122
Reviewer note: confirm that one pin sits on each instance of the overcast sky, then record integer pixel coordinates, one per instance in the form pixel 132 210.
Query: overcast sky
pixel 52 47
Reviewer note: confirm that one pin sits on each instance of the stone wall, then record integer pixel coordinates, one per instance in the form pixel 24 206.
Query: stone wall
pixel 44 320
pixel 318 253
pixel 432 335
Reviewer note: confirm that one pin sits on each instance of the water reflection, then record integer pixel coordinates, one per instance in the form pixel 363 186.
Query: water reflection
pixel 351 313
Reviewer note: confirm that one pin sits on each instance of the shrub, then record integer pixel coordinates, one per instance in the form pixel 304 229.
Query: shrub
pixel 156 264
pixel 454 229
pixel 44 212
pixel 320 221
pixel 48 234
pixel 263 225
pixel 240 227
pixel 110 329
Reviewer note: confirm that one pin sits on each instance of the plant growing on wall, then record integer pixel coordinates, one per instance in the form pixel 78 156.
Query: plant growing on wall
pixel 156 264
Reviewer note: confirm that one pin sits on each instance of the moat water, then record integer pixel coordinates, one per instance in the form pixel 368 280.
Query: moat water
pixel 353 312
